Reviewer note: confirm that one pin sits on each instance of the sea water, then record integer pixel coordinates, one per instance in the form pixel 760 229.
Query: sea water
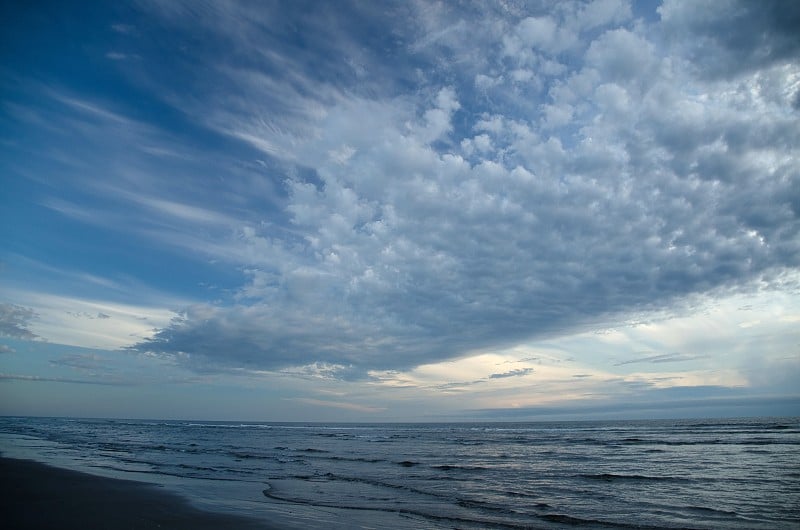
pixel 742 473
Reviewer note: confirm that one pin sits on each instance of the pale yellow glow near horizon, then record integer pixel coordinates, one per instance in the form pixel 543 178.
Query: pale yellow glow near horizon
pixel 714 345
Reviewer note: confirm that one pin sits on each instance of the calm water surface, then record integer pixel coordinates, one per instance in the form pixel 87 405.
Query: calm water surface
pixel 638 474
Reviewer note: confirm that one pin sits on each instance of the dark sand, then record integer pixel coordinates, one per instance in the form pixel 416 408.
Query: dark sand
pixel 34 495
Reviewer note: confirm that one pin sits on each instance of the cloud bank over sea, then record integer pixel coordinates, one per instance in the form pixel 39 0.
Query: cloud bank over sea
pixel 360 193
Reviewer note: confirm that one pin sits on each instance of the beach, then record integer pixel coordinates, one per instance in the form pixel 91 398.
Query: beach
pixel 40 496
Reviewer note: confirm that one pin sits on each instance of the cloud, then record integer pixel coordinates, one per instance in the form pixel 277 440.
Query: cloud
pixel 603 12
pixel 135 202
pixel 117 56
pixel 435 180
pixel 519 372
pixel 90 316
pixel 337 405
pixel 732 37
pixel 43 379
pixel 453 225
pixel 693 402
pixel 14 322
pixel 663 358
pixel 620 55
pixel 123 28
pixel 90 363
pixel 81 322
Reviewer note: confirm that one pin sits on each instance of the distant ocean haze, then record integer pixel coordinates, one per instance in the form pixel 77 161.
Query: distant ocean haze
pixel 742 473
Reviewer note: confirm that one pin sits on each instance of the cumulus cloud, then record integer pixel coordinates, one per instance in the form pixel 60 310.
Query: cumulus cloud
pixel 620 55
pixel 561 169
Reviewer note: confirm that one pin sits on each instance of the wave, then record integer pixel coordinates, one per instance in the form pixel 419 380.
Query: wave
pixel 611 477
pixel 222 425
pixel 477 512
pixel 197 468
pixel 569 520
pixel 239 455
pixel 356 459
pixel 448 467
pixel 383 484
pixel 163 472
pixel 716 511
pixel 715 441
pixel 407 510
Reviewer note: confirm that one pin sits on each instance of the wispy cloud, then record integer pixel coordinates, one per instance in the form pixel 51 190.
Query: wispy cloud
pixel 68 380
pixel 123 28
pixel 706 401
pixel 663 358
pixel 81 322
pixel 337 405
pixel 519 372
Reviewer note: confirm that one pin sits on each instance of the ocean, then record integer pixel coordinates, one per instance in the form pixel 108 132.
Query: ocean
pixel 741 473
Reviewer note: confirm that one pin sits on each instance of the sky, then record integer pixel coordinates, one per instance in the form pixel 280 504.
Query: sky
pixel 400 211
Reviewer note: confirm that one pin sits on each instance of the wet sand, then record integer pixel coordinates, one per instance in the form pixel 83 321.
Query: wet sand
pixel 34 495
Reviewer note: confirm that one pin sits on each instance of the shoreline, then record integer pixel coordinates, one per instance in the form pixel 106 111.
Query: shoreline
pixel 37 495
